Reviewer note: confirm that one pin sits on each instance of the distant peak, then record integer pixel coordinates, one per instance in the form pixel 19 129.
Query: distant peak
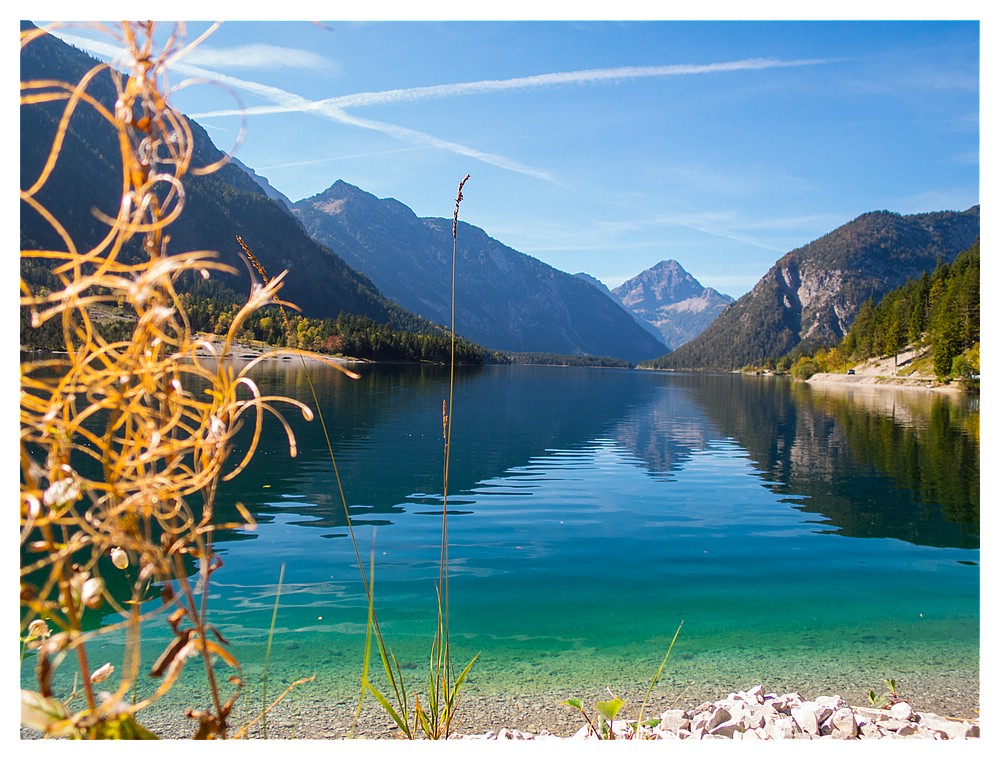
pixel 341 195
pixel 668 264
pixel 344 188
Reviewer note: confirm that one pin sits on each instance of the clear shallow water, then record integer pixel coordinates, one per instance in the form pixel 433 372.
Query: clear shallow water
pixel 810 539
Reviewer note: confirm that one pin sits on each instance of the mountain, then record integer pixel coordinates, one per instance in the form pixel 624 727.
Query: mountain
pixel 504 299
pixel 270 191
pixel 673 301
pixel 812 294
pixel 217 207
pixel 606 292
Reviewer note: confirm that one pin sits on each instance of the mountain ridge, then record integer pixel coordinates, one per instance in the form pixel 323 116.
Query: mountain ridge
pixel 505 299
pixel 811 295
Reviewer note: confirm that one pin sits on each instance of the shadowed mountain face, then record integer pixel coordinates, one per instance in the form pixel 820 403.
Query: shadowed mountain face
pixel 217 207
pixel 505 299
pixel 673 301
pixel 812 294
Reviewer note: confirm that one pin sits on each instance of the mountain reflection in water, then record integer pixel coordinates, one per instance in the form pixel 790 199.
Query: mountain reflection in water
pixel 868 462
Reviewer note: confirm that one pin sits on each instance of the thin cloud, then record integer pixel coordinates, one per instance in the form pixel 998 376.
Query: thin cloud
pixel 700 225
pixel 328 159
pixel 258 56
pixel 255 56
pixel 333 108
pixel 714 224
pixel 422 138
pixel 286 102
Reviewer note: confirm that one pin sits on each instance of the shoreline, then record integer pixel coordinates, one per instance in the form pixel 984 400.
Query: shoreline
pixel 883 381
pixel 247 352
pixel 315 712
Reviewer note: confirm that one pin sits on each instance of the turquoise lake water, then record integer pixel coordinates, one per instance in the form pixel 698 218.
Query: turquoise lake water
pixel 809 539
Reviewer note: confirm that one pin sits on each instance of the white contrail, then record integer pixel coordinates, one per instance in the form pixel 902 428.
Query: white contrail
pixel 415 94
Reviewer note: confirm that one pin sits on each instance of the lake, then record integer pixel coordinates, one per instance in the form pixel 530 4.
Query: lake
pixel 811 539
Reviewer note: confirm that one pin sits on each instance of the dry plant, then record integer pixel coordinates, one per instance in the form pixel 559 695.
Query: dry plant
pixel 123 443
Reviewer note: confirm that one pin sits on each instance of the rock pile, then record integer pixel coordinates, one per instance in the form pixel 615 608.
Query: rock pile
pixel 755 715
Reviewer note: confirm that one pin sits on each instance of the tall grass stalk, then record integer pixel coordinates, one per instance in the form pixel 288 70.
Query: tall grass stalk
pixel 443 691
pixel 435 718
pixel 267 651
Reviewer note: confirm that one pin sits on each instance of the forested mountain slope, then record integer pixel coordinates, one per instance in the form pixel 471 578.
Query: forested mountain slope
pixel 811 295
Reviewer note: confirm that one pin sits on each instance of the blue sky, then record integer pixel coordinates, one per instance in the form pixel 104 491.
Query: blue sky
pixel 607 146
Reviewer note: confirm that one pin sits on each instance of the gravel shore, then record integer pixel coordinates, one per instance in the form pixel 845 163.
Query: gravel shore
pixel 315 713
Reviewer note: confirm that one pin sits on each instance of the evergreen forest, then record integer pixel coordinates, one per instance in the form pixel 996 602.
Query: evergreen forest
pixel 938 310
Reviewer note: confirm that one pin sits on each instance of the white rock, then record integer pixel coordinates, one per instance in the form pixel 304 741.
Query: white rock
pixel 843 724
pixel 871 731
pixel 954 729
pixel 767 712
pixel 674 720
pixel 834 703
pixel 901 711
pixel 810 716
pixel 719 716
pixel 756 694
pixel 730 729
pixel 893 725
pixel 783 727
pixel 755 718
pixel 910 729
pixel 787 701
pixel 871 714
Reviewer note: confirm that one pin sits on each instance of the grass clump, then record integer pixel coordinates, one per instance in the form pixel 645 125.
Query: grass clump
pixel 435 717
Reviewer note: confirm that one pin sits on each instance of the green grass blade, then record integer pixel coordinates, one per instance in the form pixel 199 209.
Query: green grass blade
pixel 660 671
pixel 452 696
pixel 368 649
pixel 461 679
pixel 267 652
pixel 387 706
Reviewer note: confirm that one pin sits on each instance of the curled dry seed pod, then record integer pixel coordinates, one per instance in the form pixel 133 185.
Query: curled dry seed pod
pixel 91 592
pixel 61 492
pixel 38 629
pixel 119 558
pixel 102 673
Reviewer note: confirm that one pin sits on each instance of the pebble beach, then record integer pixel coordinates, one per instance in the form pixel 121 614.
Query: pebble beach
pixel 312 713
